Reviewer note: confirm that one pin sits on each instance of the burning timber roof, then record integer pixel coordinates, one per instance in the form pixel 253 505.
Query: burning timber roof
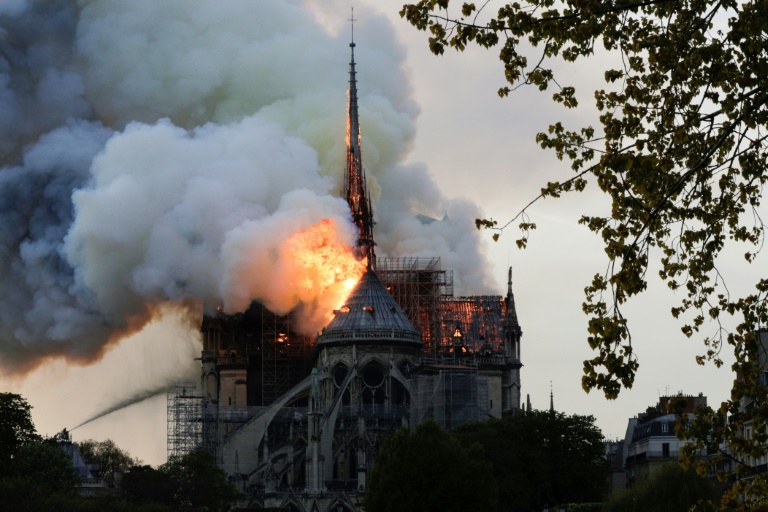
pixel 370 315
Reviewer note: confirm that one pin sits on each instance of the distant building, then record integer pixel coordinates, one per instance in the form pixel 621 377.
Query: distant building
pixel 651 441
pixel 91 483
pixel 758 464
pixel 615 453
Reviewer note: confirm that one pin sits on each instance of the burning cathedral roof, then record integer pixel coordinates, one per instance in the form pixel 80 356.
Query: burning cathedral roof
pixel 369 314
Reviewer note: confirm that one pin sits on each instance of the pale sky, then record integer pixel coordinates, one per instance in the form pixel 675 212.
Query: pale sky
pixel 478 147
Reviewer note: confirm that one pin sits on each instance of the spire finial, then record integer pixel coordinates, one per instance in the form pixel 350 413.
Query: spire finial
pixel 352 21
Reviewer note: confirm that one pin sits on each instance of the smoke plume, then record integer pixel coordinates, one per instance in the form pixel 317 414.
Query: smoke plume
pixel 162 153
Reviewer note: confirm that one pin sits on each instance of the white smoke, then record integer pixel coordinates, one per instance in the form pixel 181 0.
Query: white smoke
pixel 160 152
pixel 451 235
pixel 166 206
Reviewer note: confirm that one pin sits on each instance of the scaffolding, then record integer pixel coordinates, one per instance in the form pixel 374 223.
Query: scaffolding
pixel 450 395
pixel 285 355
pixel 189 424
pixel 480 321
pixel 265 345
pixel 419 286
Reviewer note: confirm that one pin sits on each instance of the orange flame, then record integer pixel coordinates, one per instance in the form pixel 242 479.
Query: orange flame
pixel 347 138
pixel 324 267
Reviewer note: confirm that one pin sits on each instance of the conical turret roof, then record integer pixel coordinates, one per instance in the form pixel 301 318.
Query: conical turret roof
pixel 370 314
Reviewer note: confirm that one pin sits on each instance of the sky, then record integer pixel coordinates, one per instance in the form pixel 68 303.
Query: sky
pixel 174 135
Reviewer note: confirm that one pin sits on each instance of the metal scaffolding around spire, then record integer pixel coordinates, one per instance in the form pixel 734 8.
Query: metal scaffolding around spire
pixel 355 189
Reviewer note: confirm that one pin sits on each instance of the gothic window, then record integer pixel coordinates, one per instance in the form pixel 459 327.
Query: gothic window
pixel 339 507
pixel 340 372
pixel 373 375
pixel 373 384
pixel 399 394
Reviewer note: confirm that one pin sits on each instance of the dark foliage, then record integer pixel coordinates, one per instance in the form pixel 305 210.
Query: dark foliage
pixel 667 489
pixel 198 482
pixel 429 469
pixel 110 458
pixel 16 428
pixel 542 458
pixel 145 484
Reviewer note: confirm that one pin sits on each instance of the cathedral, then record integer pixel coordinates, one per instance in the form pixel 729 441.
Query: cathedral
pixel 296 421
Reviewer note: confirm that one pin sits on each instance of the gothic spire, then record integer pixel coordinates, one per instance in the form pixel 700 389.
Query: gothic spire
pixel 551 398
pixel 355 190
pixel 512 324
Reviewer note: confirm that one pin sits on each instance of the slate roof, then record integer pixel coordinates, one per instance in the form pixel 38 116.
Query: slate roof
pixel 370 314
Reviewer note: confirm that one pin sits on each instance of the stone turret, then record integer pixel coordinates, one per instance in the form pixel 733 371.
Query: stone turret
pixel 512 337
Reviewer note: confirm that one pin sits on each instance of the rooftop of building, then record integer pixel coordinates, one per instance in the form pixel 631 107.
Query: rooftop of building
pixel 678 404
pixel 370 312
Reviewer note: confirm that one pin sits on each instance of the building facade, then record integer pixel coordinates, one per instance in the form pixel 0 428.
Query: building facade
pixel 650 441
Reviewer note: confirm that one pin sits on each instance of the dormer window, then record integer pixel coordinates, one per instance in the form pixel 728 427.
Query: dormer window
pixel 458 341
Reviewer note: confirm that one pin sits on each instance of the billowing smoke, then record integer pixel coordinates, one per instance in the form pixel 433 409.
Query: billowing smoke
pixel 39 87
pixel 158 153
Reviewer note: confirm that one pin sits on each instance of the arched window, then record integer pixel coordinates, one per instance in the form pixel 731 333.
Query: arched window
pixel 340 372
pixel 374 388
pixel 399 394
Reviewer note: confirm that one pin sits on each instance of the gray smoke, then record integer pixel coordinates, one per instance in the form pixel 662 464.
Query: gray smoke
pixel 44 309
pixel 39 87
pixel 158 153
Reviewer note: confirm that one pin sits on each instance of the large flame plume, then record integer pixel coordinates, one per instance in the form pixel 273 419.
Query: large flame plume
pixel 324 268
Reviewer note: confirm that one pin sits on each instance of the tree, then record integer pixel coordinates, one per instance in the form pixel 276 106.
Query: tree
pixel 40 478
pixel 16 427
pixel 145 484
pixel 110 458
pixel 47 464
pixel 542 458
pixel 680 152
pixel 21 494
pixel 667 489
pixel 37 475
pixel 428 469
pixel 198 481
